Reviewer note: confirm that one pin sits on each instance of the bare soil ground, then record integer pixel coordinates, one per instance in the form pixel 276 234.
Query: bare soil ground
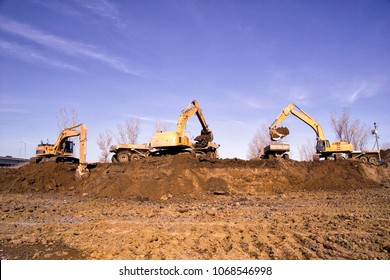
pixel 183 208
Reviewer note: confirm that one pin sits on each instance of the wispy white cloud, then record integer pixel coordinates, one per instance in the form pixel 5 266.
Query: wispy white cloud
pixel 356 93
pixel 102 8
pixel 229 122
pixel 99 8
pixel 149 119
pixel 298 95
pixel 358 89
pixel 63 46
pixel 33 56
pixel 13 110
pixel 248 100
pixel 253 103
pixel 59 6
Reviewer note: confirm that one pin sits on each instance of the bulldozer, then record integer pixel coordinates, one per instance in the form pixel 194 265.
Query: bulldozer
pixel 62 149
pixel 324 148
pixel 172 142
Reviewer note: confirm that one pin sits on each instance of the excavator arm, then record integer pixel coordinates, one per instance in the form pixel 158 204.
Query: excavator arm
pixel 83 144
pixel 277 133
pixel 73 132
pixel 188 112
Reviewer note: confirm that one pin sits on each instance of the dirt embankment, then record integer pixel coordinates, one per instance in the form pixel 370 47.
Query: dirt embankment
pixel 385 155
pixel 182 208
pixel 185 177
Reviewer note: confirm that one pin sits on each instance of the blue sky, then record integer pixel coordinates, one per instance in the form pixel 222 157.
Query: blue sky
pixel 243 61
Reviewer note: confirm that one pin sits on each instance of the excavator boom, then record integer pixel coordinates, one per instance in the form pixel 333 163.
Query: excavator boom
pixel 187 113
pixel 277 133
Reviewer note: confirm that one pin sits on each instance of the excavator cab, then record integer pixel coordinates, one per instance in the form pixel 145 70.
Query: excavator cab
pixel 322 145
pixel 68 146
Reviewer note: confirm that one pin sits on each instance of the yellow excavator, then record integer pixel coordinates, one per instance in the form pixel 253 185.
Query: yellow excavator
pixel 62 149
pixel 324 148
pixel 177 141
pixel 172 142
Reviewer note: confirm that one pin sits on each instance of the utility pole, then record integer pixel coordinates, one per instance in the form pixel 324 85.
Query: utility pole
pixel 375 132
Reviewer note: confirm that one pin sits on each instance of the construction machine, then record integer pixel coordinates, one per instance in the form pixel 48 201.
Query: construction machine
pixel 62 149
pixel 172 142
pixel 324 148
pixel 272 151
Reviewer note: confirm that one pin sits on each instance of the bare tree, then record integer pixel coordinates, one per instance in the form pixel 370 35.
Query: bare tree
pixel 349 130
pixel 64 120
pixel 129 132
pixel 74 117
pixel 104 141
pixel 307 150
pixel 161 126
pixel 259 141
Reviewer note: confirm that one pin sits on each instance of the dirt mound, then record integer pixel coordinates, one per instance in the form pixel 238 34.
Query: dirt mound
pixel 184 177
pixel 385 155
pixel 42 177
pixel 220 209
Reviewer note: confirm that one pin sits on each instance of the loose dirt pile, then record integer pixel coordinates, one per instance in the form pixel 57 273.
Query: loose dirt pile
pixel 385 155
pixel 185 177
pixel 220 209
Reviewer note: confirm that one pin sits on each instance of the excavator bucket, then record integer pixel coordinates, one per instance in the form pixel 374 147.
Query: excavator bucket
pixel 82 171
pixel 279 133
pixel 203 139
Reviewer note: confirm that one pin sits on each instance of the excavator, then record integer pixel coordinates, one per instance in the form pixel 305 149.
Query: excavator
pixel 324 148
pixel 176 141
pixel 172 142
pixel 62 149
